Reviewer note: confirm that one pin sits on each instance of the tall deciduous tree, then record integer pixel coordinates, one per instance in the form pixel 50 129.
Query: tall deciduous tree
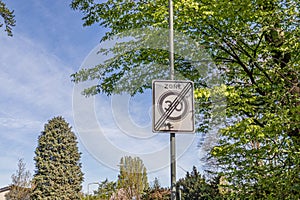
pixel 58 169
pixel 133 177
pixel 255 43
pixel 21 183
pixel 8 18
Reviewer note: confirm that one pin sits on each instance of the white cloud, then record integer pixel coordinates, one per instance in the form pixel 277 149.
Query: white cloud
pixel 14 123
pixel 34 86
pixel 32 80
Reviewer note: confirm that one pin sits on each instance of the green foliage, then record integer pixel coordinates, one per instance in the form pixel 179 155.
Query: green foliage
pixel 133 177
pixel 156 192
pixel 156 184
pixel 8 18
pixel 58 169
pixel 136 62
pixel 194 186
pixel 255 44
pixel 21 184
pixel 106 189
pixel 259 148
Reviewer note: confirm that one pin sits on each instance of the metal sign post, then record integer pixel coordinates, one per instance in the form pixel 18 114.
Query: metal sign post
pixel 173 111
pixel 173 105
pixel 172 135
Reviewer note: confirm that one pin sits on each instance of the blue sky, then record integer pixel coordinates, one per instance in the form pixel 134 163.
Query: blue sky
pixel 49 44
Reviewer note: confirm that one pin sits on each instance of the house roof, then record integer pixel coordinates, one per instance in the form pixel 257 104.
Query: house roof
pixel 4 189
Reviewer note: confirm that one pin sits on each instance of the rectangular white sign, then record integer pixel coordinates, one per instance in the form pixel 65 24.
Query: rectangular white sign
pixel 173 106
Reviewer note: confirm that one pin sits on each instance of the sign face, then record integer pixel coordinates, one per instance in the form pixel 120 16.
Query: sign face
pixel 173 106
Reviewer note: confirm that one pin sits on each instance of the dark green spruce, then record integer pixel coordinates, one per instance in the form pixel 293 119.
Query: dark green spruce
pixel 58 172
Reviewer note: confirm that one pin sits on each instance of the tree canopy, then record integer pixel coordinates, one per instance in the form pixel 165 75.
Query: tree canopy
pixel 8 18
pixel 156 191
pixel 255 45
pixel 21 183
pixel 133 178
pixel 195 186
pixel 106 189
pixel 58 169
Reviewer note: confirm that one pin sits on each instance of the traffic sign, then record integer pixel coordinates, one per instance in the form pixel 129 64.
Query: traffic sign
pixel 173 106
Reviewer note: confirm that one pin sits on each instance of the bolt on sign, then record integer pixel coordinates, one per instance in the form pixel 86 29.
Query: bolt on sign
pixel 173 106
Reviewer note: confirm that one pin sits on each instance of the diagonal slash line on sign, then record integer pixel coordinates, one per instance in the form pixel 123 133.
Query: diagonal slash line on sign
pixel 173 106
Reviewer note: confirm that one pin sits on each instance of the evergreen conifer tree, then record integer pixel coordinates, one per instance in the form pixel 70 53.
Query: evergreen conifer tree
pixel 195 187
pixel 58 172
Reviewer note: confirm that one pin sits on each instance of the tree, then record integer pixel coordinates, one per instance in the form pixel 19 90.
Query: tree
pixel 195 186
pixel 156 184
pixel 255 44
pixel 8 18
pixel 133 177
pixel 21 186
pixel 58 169
pixel 156 192
pixel 106 189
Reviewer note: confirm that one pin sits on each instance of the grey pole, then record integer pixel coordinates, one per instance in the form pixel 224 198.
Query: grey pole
pixel 173 166
pixel 172 135
pixel 171 40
